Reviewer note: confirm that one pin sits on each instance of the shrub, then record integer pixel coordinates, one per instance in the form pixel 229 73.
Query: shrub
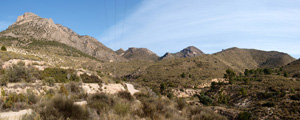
pixel 170 95
pixel 122 108
pixel 183 75
pixel 295 97
pixel 100 102
pixel 213 85
pixel 63 90
pixel 13 99
pixel 268 71
pixel 243 92
pixel 17 73
pixel 61 107
pixel 163 87
pixel 32 99
pixel 206 100
pixel 181 103
pixel 199 113
pixel 286 74
pixel 149 108
pixel 90 79
pixel 268 104
pixel 3 48
pixel 49 81
pixel 60 75
pixel 125 95
pixel 244 116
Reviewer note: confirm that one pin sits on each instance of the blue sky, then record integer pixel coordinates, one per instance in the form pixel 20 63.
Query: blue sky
pixel 171 25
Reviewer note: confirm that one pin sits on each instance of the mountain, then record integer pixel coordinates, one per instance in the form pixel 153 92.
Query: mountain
pixel 120 52
pixel 240 59
pixel 31 26
pixel 191 70
pixel 293 68
pixel 140 54
pixel 190 51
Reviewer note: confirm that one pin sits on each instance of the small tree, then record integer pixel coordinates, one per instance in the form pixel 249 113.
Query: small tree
pixel 183 75
pixel 3 48
pixel 286 74
pixel 268 71
pixel 163 87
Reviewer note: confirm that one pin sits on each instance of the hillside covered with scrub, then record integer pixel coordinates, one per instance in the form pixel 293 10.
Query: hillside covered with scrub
pixel 49 72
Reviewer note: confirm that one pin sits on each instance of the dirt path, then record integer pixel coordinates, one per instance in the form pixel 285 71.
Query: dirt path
pixel 131 89
pixel 14 115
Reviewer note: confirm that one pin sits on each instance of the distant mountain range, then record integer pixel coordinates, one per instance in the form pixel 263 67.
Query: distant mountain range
pixel 31 26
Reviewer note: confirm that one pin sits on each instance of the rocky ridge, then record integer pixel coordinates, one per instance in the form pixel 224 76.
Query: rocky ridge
pixel 30 26
pixel 190 51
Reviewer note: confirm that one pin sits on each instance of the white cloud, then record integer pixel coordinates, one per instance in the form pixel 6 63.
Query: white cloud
pixel 170 25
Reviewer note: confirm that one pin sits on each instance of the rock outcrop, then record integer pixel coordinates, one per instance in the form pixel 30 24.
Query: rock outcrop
pixel 30 26
pixel 190 51
pixel 120 52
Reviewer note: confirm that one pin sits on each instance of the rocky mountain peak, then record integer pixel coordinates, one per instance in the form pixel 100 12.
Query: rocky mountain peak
pixel 190 51
pixel 120 51
pixel 30 26
pixel 27 16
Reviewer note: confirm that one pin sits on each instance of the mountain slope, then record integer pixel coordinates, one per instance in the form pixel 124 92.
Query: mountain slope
pixel 293 68
pixel 190 51
pixel 240 59
pixel 195 70
pixel 140 54
pixel 30 26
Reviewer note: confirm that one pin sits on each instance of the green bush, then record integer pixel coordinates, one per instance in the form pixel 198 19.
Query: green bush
pixel 183 75
pixel 3 48
pixel 49 81
pixel 243 92
pixel 206 100
pixel 244 116
pixel 17 73
pixel 12 99
pixel 268 71
pixel 286 74
pixel 60 75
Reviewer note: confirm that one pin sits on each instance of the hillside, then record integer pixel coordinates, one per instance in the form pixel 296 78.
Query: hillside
pixel 190 51
pixel 31 26
pixel 293 68
pixel 240 59
pixel 140 54
pixel 196 70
